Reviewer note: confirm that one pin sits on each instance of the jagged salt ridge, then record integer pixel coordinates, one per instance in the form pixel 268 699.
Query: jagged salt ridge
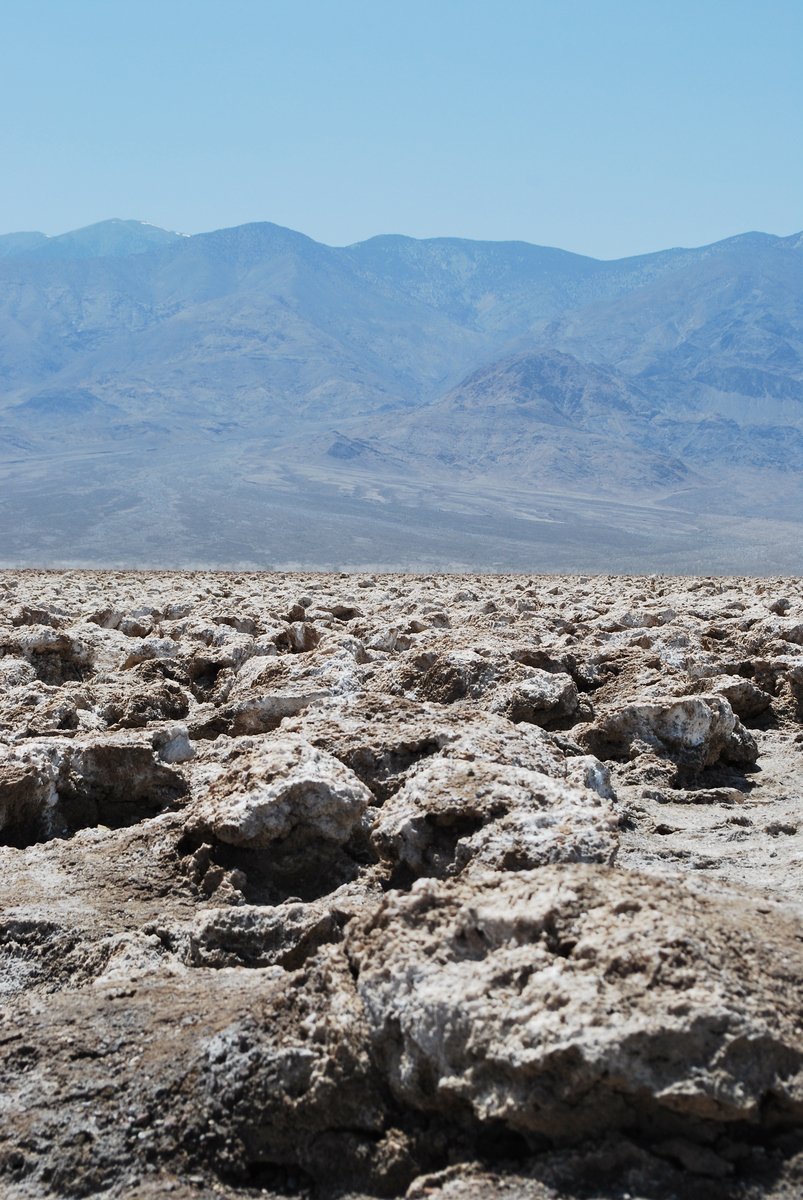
pixel 448 886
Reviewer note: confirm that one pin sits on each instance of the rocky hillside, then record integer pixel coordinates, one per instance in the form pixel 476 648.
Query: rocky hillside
pixel 216 399
pixel 451 886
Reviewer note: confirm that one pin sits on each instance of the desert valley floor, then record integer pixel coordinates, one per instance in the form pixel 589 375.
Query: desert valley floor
pixel 434 886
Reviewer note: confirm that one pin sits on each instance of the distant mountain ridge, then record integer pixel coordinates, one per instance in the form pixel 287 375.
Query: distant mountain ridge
pixel 106 239
pixel 222 381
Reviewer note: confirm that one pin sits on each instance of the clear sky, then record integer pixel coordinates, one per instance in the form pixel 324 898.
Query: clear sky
pixel 609 127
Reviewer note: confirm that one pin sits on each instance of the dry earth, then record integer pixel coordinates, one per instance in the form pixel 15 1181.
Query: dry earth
pixel 449 886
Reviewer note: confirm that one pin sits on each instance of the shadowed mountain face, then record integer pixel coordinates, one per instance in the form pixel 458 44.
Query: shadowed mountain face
pixel 251 396
pixel 547 416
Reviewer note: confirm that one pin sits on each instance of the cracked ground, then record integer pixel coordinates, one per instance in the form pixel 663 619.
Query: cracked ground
pixel 391 885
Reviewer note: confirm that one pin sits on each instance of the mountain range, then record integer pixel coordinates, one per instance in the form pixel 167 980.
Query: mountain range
pixel 252 397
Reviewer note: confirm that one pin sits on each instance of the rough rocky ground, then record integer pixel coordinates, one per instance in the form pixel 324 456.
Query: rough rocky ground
pixel 449 886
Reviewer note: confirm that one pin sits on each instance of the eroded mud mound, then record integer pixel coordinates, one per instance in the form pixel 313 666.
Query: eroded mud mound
pixel 448 887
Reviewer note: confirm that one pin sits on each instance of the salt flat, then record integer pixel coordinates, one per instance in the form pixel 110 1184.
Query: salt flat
pixel 382 884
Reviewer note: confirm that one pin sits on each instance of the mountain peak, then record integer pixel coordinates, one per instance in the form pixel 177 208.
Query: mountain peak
pixel 113 238
pixel 12 244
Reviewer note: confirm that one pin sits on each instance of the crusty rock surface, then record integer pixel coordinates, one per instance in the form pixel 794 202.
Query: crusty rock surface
pixel 282 792
pixel 452 886
pixel 453 814
pixel 498 996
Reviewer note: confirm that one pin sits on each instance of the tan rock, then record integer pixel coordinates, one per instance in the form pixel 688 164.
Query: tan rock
pixel 283 790
pixel 452 815
pixel 500 994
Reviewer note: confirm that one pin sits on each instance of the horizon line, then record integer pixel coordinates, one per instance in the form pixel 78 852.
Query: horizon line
pixel 797 233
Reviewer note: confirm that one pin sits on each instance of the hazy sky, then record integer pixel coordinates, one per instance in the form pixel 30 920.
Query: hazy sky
pixel 608 127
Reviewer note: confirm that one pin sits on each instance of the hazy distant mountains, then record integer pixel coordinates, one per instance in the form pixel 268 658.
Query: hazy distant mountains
pixel 251 396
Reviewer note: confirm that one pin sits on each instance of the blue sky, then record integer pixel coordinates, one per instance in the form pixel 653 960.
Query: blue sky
pixel 608 127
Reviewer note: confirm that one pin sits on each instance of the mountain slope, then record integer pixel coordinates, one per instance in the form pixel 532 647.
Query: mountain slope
pixel 252 317
pixel 723 334
pixel 106 239
pixel 230 379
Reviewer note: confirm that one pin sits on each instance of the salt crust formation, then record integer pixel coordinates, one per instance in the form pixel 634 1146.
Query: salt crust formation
pixel 450 887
